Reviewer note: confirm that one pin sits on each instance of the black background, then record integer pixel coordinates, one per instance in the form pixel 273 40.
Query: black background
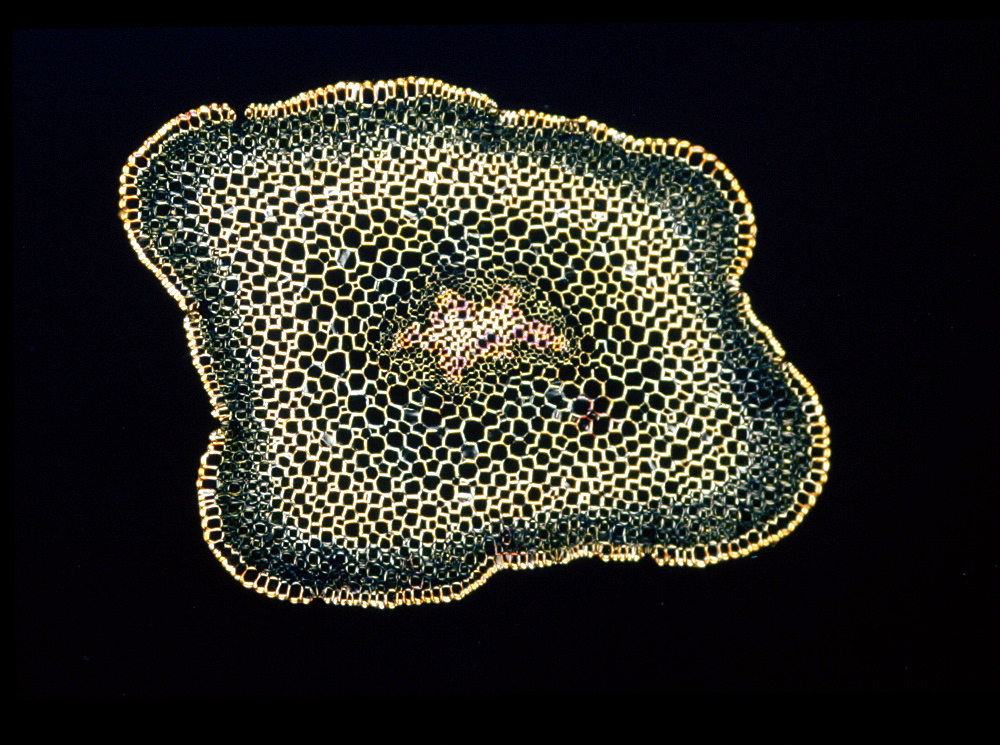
pixel 868 154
